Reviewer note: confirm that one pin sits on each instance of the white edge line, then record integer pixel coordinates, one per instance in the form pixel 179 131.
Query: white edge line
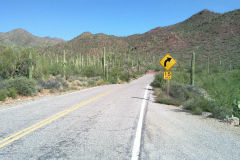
pixel 137 141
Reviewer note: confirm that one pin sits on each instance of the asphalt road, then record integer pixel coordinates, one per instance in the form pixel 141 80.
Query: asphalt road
pixel 101 123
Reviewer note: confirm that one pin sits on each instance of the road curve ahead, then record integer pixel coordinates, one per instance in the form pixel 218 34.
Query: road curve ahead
pixel 97 123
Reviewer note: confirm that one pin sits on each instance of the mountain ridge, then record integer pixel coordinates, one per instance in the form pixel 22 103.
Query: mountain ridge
pixel 210 34
pixel 21 37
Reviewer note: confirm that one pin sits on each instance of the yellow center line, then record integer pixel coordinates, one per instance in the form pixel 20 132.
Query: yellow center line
pixel 46 121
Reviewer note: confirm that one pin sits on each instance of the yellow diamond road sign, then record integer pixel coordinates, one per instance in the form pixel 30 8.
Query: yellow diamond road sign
pixel 168 62
pixel 168 75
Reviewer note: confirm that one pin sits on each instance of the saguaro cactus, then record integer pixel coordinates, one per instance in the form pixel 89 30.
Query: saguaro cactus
pixel 220 60
pixel 107 72
pixel 193 68
pixel 208 65
pixel 64 64
pixel 138 65
pixel 30 67
pixel 104 62
pixel 57 59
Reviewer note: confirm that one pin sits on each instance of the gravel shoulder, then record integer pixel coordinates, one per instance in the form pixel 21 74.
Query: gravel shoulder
pixel 172 133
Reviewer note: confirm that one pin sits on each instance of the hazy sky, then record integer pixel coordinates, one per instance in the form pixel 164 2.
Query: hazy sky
pixel 68 18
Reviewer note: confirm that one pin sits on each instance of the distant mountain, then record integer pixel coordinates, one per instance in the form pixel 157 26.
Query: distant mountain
pixel 207 33
pixel 20 37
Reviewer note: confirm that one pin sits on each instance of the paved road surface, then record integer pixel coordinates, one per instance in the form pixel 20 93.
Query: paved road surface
pixel 101 122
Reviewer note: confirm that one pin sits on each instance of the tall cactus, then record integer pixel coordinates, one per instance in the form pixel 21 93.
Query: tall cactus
pixel 104 62
pixel 208 65
pixel 64 64
pixel 138 65
pixel 220 60
pixel 82 60
pixel 77 61
pixel 107 72
pixel 57 59
pixel 30 67
pixel 193 69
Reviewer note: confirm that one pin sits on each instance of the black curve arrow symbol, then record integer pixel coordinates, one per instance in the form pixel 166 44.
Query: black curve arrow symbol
pixel 167 60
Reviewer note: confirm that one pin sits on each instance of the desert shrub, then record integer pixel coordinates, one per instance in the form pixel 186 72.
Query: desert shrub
pixel 42 68
pixel 23 86
pixel 76 77
pixel 158 81
pixel 168 101
pixel 100 82
pixel 236 108
pixel 113 80
pixel 12 93
pixel 3 84
pixel 52 83
pixel 8 63
pixel 157 68
pixel 183 92
pixel 161 97
pixel 83 83
pixel 91 83
pixel 114 75
pixel 93 78
pixel 193 98
pixel 199 104
pixel 77 83
pixel 39 87
pixel 3 95
pixel 56 69
pixel 181 77
pixel 91 71
pixel 125 77
pixel 224 88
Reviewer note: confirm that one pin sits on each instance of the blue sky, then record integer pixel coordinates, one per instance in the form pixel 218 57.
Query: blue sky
pixel 68 18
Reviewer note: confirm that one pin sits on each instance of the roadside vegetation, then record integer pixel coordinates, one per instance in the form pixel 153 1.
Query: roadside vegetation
pixel 213 89
pixel 24 71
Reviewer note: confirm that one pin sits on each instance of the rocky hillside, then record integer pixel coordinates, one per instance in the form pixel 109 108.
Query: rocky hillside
pixel 20 37
pixel 211 35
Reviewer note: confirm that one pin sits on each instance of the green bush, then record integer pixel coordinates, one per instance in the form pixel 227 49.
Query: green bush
pixel 168 101
pixel 199 104
pixel 183 92
pixel 56 69
pixel 125 77
pixel 181 77
pixel 54 83
pixel 3 84
pixel 12 93
pixel 23 86
pixel 224 88
pixel 158 82
pixel 114 75
pixel 161 97
pixel 112 80
pixel 3 95
pixel 236 108
pixel 91 71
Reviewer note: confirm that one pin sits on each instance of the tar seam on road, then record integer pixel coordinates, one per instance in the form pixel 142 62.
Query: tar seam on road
pixel 46 121
pixel 138 137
